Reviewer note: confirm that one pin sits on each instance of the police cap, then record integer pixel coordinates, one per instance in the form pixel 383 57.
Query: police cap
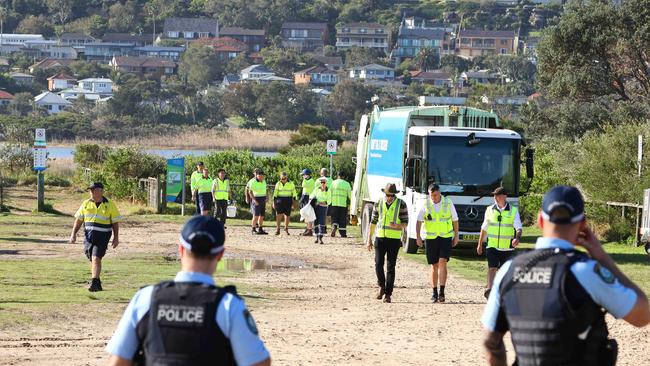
pixel 563 205
pixel 203 235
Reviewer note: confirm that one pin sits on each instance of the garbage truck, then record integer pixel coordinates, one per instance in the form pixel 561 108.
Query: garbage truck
pixel 462 149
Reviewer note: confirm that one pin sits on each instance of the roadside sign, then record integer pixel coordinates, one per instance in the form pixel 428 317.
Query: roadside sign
pixel 40 158
pixel 639 158
pixel 175 180
pixel 331 147
pixel 39 137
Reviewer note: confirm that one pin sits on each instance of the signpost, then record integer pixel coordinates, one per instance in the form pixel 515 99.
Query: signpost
pixel 176 182
pixel 40 164
pixel 331 151
pixel 639 157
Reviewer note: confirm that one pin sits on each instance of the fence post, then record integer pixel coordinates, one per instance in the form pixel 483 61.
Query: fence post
pixel 637 228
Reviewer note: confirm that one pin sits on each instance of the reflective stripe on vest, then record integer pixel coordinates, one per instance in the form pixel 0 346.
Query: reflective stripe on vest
pixel 340 193
pixel 221 191
pixel 258 188
pixel 285 190
pixel 440 224
pixel 388 215
pixel 500 232
pixel 204 185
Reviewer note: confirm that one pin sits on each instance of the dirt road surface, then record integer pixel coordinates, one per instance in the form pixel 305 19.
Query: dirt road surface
pixel 316 307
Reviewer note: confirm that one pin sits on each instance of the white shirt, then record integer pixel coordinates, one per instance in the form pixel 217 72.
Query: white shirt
pixel 517 224
pixel 436 208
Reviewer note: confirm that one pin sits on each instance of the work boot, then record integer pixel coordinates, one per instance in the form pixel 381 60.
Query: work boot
pixel 253 231
pixel 333 234
pixel 309 233
pixel 287 231
pixel 381 293
pixel 434 297
pixel 320 240
pixel 316 241
pixel 262 232
pixel 387 299
pixel 95 285
pixel 304 233
pixel 277 231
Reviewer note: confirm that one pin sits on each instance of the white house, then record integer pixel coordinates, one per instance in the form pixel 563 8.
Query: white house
pixel 22 78
pixel 60 81
pixel 19 39
pixel 97 85
pixel 255 72
pixel 49 49
pixel 372 71
pixel 51 102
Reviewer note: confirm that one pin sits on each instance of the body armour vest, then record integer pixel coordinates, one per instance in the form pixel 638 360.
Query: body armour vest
pixel 552 319
pixel 180 327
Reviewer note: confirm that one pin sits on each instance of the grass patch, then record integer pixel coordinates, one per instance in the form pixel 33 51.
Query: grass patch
pixel 633 261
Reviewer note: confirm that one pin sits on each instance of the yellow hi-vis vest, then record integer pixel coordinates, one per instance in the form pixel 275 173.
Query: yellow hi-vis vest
pixel 388 215
pixel 204 185
pixel 194 178
pixel 285 190
pixel 98 219
pixel 308 186
pixel 438 224
pixel 501 227
pixel 258 188
pixel 221 189
pixel 341 193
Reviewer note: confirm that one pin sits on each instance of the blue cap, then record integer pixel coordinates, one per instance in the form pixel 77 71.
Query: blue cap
pixel 203 235
pixel 567 198
pixel 305 172
pixel 96 185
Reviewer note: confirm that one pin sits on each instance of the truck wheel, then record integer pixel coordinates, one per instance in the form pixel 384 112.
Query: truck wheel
pixel 365 221
pixel 411 246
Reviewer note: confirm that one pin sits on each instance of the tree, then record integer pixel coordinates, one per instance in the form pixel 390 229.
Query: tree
pixel 361 56
pixel 454 64
pixel 199 66
pixel 239 100
pixel 36 25
pixel 427 59
pixel 311 134
pixel 61 10
pixel 237 64
pixel 278 106
pixel 22 104
pixel 283 62
pixel 97 26
pixel 122 17
pixel 348 100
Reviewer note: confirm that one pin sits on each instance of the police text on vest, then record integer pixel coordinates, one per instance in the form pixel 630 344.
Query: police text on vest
pixel 536 275
pixel 180 314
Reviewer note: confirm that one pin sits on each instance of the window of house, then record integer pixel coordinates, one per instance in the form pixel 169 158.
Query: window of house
pixel 504 51
pixel 172 34
pixel 504 42
pixel 204 34
pixel 379 40
pixel 49 107
pixel 363 30
pixel 346 30
pixel 465 41
pixel 188 35
pixel 379 30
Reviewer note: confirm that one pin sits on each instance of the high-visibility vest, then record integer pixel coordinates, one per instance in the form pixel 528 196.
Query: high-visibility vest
pixel 285 190
pixel 388 215
pixel 329 181
pixel 98 219
pixel 308 186
pixel 204 185
pixel 194 178
pixel 258 188
pixel 322 197
pixel 501 227
pixel 341 193
pixel 438 224
pixel 221 189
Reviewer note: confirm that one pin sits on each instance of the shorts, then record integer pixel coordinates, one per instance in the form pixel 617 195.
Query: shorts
pixel 496 258
pixel 260 209
pixel 283 205
pixel 95 250
pixel 438 248
pixel 205 201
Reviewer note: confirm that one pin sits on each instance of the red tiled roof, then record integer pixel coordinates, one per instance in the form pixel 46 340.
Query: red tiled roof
pixel 5 95
pixel 61 76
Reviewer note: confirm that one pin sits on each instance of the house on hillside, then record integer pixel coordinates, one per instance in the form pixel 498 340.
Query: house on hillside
pixel 105 51
pixel 51 102
pixel 75 39
pixel 472 43
pixel 60 81
pixel 331 62
pixel 92 89
pixel 49 64
pixel 304 36
pixel 230 79
pixel 372 72
pixel 436 78
pixel 362 34
pixel 48 49
pixel 144 66
pixel 190 28
pixel 171 53
pixel 139 40
pixel 255 39
pixel 317 76
pixel 468 78
pixel 22 78
pixel 226 48
pixel 97 85
pixel 5 98
pixel 261 75
pixel 411 39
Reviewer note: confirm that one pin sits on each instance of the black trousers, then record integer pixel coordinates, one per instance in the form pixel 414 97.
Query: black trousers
pixel 388 248
pixel 198 203
pixel 220 210
pixel 340 220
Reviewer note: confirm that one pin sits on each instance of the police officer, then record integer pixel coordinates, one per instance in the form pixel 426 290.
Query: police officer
pixel 441 227
pixel 257 197
pixel 221 195
pixel 100 218
pixel 552 298
pixel 204 191
pixel 390 217
pixel 502 227
pixel 196 175
pixel 283 196
pixel 308 185
pixel 341 198
pixel 189 321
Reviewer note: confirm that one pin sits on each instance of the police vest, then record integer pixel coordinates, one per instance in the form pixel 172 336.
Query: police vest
pixel 388 215
pixel 438 224
pixel 340 193
pixel 552 319
pixel 204 185
pixel 284 190
pixel 501 227
pixel 308 186
pixel 180 327
pixel 258 188
pixel 221 191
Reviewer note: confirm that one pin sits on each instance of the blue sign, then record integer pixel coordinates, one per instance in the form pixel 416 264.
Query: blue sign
pixel 386 145
pixel 175 180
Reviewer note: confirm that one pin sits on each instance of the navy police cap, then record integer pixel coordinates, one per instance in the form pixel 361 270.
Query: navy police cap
pixel 203 235
pixel 567 198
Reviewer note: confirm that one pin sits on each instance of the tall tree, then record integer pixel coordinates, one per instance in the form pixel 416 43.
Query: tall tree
pixel 199 66
pixel 427 59
pixel 61 10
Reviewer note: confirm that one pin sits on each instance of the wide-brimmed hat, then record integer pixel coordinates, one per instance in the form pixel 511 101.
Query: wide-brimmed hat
pixel 390 188
pixel 499 191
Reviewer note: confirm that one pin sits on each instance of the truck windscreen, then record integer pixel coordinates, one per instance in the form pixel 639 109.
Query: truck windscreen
pixel 473 167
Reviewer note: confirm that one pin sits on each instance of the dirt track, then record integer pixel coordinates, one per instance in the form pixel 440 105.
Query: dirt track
pixel 321 314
